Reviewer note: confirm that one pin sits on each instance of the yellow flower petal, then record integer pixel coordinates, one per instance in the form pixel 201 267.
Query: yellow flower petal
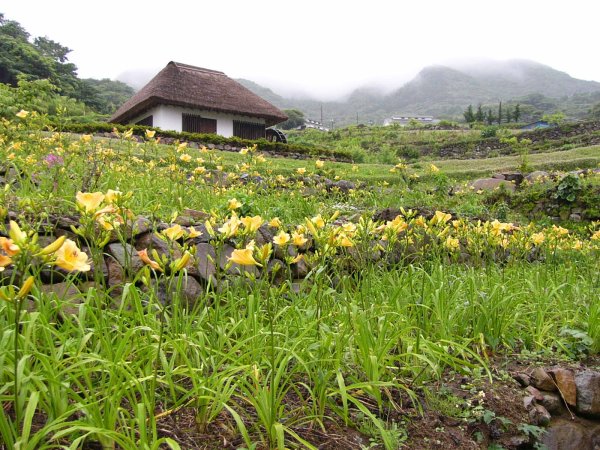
pixel 243 257
pixel 70 258
pixel 89 201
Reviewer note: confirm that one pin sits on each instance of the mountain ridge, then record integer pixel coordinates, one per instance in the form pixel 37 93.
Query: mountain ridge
pixel 445 91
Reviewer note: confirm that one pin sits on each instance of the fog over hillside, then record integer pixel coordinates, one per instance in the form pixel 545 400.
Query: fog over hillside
pixel 513 70
pixel 443 91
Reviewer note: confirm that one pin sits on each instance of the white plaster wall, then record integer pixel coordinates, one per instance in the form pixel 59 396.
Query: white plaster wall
pixel 168 117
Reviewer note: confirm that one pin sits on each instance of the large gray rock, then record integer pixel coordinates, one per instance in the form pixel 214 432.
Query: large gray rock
pixel 491 184
pixel 565 380
pixel 68 296
pixel 563 434
pixel 205 262
pixel 552 402
pixel 539 415
pixel 536 176
pixel 185 291
pixel 541 380
pixel 588 393
pixel 126 255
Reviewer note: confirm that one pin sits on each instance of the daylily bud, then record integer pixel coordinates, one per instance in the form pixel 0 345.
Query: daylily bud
pixel 26 287
pixel 49 249
pixel 180 263
pixel 15 233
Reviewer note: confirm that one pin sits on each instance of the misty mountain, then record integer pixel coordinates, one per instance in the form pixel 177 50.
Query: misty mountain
pixel 445 92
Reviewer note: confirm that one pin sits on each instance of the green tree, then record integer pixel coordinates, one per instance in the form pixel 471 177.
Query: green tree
pixel 469 115
pixel 295 119
pixel 499 113
pixel 508 114
pixel 489 117
pixel 555 119
pixel 517 112
pixel 479 116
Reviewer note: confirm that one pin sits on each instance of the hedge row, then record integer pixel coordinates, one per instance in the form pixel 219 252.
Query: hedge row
pixel 205 139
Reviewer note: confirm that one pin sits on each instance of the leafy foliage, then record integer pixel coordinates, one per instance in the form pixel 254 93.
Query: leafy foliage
pixel 295 119
pixel 45 59
pixel 568 188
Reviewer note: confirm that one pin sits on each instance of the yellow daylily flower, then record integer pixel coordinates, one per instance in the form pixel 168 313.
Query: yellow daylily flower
pixel 143 254
pixel 349 227
pixel 175 232
pixel 264 252
pixel 298 239
pixel 89 201
pixel 275 222
pixel 397 225
pixel 22 114
pixel 150 134
pixel 538 238
pixel 112 195
pixel 452 243
pixel 440 217
pixel 108 209
pixel 319 164
pixel 230 227
pixel 234 203
pixel 192 233
pixel 70 258
pixel 251 224
pixel 8 246
pixel 301 170
pixel 318 221
pixel 282 238
pixel 185 158
pixel 560 231
pixel 5 261
pixel 297 258
pixel 243 257
pixel 344 241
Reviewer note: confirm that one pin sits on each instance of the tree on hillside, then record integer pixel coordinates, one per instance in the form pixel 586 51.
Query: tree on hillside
pixel 295 119
pixel 594 112
pixel 479 116
pixel 45 59
pixel 508 114
pixel 555 119
pixel 489 117
pixel 517 112
pixel 469 115
pixel 499 113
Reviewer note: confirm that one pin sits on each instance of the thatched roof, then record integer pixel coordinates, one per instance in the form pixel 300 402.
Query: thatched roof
pixel 194 87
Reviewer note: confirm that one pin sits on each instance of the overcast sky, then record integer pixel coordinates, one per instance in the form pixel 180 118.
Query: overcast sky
pixel 324 48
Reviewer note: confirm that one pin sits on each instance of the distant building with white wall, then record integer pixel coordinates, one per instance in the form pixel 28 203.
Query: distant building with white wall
pixel 314 124
pixel 405 120
pixel 187 98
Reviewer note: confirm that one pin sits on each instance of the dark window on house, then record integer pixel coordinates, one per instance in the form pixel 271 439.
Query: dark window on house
pixel 193 123
pixel 146 121
pixel 248 130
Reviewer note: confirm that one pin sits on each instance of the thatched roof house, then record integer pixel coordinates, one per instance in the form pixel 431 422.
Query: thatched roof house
pixel 187 98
